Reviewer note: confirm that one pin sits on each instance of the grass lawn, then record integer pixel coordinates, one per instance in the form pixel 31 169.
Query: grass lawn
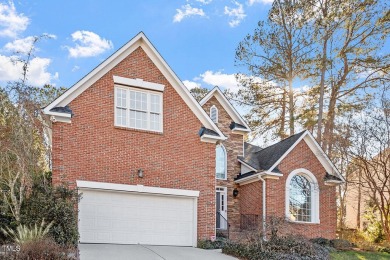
pixel 346 255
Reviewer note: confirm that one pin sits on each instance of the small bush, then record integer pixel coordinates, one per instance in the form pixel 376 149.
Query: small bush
pixel 321 241
pixel 208 244
pixel 45 249
pixel 287 247
pixel 24 234
pixel 342 244
pixel 57 204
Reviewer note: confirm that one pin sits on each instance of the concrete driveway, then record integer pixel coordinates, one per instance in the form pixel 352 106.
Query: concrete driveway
pixel 147 252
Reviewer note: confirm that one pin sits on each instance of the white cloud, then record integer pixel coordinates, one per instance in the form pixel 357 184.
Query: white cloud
pixel 186 11
pixel 75 68
pixel 205 2
pixel 223 80
pixel 191 84
pixel 37 73
pixel 88 44
pixel 20 45
pixel 252 2
pixel 11 23
pixel 237 14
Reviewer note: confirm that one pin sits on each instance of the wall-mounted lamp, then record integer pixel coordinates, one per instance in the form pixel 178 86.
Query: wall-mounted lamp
pixel 235 193
pixel 140 173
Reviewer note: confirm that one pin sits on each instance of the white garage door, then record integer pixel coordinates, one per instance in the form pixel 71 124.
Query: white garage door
pixel 123 217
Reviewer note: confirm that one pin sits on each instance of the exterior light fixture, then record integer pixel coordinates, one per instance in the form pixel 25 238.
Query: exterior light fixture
pixel 140 173
pixel 235 193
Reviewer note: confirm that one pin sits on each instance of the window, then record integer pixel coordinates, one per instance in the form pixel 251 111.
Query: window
pixel 220 159
pixel 214 114
pixel 138 109
pixel 302 203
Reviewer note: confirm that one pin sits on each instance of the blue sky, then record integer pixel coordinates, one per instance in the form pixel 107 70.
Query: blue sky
pixel 196 37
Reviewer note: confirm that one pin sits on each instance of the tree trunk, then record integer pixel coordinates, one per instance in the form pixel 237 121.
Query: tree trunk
pixel 359 201
pixel 291 106
pixel 329 125
pixel 322 90
pixel 282 131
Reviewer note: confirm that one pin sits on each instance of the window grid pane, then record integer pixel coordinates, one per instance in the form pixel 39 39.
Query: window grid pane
pixel 300 199
pixel 138 109
pixel 220 163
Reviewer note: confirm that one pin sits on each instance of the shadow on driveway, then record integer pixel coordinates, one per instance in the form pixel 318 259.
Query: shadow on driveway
pixel 147 252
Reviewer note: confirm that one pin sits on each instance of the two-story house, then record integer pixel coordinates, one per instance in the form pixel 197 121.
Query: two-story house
pixel 154 166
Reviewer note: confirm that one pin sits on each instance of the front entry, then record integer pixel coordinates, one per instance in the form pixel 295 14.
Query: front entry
pixel 221 206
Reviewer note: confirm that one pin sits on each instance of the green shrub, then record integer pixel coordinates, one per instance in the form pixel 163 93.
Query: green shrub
pixel 322 241
pixel 286 247
pixel 54 204
pixel 208 244
pixel 342 244
pixel 24 234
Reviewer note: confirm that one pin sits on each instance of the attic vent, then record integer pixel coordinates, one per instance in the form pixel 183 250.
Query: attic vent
pixel 214 114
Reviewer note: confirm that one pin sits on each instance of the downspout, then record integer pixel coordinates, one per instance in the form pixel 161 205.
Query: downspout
pixel 264 208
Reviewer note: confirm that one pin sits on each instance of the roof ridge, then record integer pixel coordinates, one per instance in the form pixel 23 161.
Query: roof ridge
pixel 285 139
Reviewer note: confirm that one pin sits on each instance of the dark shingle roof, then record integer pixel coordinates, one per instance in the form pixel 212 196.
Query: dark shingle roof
pixel 205 131
pixel 263 159
pixel 237 125
pixel 330 177
pixel 65 110
pixel 241 176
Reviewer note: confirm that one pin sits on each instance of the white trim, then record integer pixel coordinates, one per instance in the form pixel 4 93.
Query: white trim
pixel 135 188
pixel 247 165
pixel 240 131
pixel 138 83
pixel 211 139
pixel 225 203
pixel 316 149
pixel 225 104
pixel 148 93
pixel 216 113
pixel 315 198
pixel 140 40
pixel 224 149
pixel 249 179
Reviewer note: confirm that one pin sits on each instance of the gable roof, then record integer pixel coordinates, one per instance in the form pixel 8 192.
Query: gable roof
pixel 140 40
pixel 268 159
pixel 238 122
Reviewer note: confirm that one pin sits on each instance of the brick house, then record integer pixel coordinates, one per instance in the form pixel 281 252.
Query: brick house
pixel 154 166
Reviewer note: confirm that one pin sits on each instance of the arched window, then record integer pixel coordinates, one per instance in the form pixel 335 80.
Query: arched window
pixel 220 160
pixel 302 200
pixel 214 114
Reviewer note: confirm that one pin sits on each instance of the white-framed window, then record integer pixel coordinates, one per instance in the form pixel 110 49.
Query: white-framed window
pixel 220 162
pixel 138 109
pixel 214 114
pixel 302 197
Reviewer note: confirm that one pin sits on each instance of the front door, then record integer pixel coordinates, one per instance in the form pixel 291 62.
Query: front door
pixel 221 201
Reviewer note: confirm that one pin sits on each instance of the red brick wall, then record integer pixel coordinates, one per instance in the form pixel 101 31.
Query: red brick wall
pixel 91 148
pixel 302 157
pixel 234 148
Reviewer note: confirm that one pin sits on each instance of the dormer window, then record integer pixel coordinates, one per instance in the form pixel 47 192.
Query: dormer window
pixel 214 114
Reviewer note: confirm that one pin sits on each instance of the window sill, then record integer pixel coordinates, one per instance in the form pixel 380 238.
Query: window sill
pixel 138 130
pixel 303 222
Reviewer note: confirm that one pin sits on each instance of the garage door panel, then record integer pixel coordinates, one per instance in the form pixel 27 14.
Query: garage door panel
pixel 131 218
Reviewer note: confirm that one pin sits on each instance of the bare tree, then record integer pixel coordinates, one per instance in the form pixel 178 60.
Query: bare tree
pixel 370 156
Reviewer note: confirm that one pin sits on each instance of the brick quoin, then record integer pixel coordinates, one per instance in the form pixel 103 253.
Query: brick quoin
pixel 91 148
pixel 234 148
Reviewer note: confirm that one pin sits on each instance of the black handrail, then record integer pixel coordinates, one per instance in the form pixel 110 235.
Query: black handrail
pixel 227 223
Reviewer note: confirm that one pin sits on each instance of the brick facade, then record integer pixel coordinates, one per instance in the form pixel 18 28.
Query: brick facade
pixel 249 201
pixel 302 157
pixel 91 148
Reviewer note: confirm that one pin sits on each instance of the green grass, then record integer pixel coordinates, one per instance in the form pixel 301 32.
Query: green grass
pixel 347 255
